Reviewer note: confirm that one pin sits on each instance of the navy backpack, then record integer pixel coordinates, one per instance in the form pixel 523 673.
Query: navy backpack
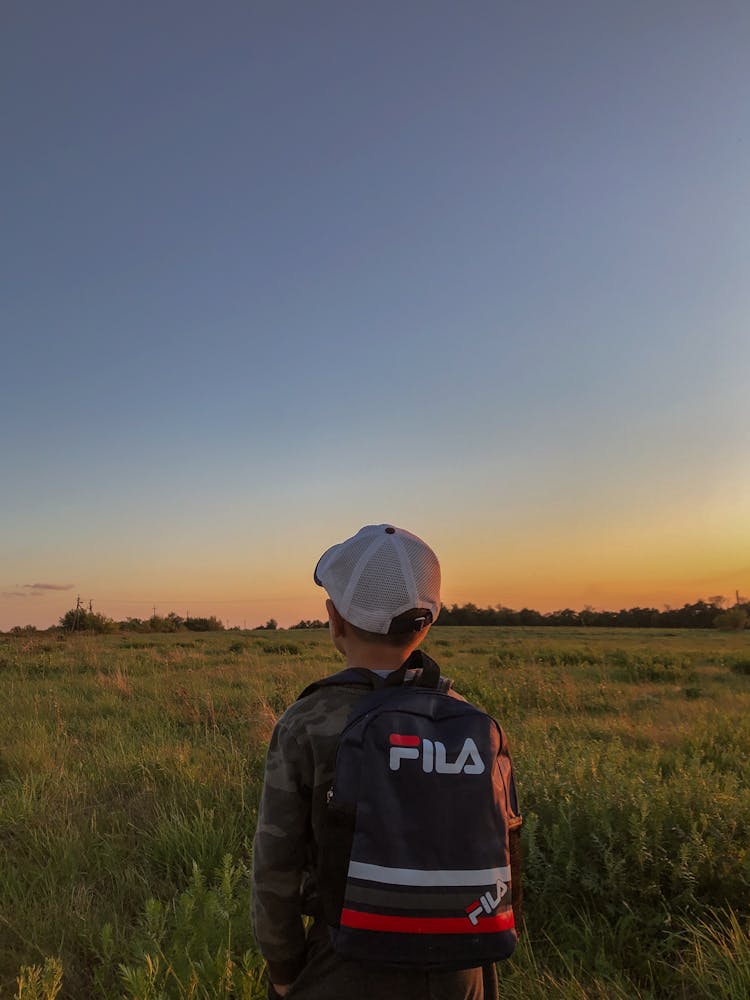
pixel 414 863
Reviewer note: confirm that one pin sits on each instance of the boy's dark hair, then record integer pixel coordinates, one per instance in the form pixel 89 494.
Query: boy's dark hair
pixel 402 631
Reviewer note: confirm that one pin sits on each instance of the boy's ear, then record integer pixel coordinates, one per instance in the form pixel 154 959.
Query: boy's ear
pixel 337 622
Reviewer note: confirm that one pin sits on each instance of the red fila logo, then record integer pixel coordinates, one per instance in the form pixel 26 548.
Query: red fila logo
pixel 434 755
pixel 486 903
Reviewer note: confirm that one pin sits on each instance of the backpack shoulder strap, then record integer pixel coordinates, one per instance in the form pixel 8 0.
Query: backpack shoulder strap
pixel 352 675
pixel 428 672
pixel 427 676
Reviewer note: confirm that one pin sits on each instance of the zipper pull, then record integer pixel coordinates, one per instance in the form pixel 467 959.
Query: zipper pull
pixel 329 795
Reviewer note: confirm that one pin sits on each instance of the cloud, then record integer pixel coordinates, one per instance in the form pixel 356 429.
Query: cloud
pixel 35 589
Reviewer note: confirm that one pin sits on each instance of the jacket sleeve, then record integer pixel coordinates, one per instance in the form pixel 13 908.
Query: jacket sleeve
pixel 279 854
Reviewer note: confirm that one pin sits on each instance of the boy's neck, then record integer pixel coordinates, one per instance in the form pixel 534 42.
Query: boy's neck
pixel 377 658
pixel 373 656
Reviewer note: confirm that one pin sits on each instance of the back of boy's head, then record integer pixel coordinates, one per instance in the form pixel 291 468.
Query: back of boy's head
pixel 384 581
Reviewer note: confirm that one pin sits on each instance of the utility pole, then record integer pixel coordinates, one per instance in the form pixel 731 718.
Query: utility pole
pixel 736 598
pixel 78 611
pixel 154 611
pixel 91 610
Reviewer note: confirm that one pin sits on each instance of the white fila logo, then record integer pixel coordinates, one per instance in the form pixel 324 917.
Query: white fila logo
pixel 486 903
pixel 434 756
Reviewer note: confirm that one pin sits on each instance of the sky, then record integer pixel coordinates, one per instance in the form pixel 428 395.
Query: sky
pixel 272 271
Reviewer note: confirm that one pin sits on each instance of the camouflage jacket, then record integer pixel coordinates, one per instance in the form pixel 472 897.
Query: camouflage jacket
pixel 299 771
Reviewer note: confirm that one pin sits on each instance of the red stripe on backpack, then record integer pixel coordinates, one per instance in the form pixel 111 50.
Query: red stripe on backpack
pixel 426 925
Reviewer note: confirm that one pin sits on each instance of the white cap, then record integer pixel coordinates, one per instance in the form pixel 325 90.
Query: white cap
pixel 377 575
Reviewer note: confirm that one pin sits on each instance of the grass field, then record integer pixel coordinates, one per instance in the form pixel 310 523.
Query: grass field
pixel 130 769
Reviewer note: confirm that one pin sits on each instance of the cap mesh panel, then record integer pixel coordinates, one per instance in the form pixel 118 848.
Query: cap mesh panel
pixel 426 569
pixel 342 566
pixel 382 586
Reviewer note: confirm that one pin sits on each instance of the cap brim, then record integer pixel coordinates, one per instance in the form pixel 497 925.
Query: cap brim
pixel 316 576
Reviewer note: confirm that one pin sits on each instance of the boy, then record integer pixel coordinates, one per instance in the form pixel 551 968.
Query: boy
pixel 384 592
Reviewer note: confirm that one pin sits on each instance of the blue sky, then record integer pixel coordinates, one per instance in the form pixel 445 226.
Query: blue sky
pixel 273 271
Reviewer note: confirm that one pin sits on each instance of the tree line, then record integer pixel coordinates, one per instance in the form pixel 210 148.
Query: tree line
pixel 711 613
pixel 81 620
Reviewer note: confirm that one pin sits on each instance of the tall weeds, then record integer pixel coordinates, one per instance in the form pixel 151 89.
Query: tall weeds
pixel 130 772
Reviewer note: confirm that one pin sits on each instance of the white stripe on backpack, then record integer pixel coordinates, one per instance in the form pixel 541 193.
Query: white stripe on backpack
pixel 417 876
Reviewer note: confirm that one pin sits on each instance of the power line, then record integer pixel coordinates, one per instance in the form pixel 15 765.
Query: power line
pixel 149 602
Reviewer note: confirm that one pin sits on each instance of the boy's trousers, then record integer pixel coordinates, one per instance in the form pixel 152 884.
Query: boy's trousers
pixel 326 976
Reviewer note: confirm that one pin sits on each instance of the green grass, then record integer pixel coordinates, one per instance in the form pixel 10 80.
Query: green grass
pixel 130 770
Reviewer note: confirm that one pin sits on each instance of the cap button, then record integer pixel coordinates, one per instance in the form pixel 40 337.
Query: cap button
pixel 390 531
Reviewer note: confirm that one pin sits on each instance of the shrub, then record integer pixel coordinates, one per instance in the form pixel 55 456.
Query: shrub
pixel 37 982
pixel 733 620
pixel 282 648
pixel 198 945
pixel 80 620
pixel 211 624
